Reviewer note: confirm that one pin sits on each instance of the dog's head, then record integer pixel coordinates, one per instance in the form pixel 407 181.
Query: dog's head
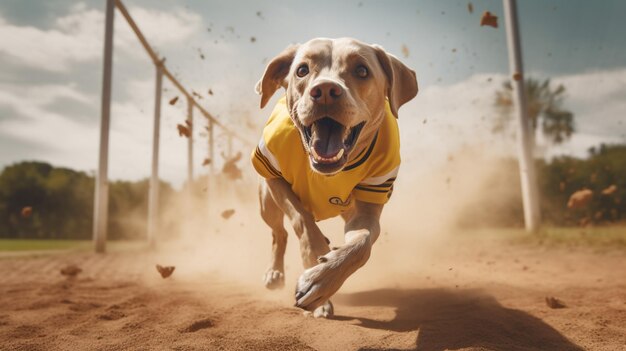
pixel 336 92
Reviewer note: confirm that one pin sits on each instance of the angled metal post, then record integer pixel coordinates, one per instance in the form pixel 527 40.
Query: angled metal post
pixel 190 142
pixel 153 195
pixel 230 146
pixel 530 192
pixel 101 198
pixel 211 149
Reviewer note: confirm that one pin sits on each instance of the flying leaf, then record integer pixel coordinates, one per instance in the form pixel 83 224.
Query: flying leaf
pixel 488 19
pixel 228 213
pixel 183 131
pixel 405 50
pixel 165 271
pixel 27 211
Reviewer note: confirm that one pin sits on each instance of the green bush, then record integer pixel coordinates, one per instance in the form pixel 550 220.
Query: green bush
pixel 563 176
pixel 501 202
pixel 62 200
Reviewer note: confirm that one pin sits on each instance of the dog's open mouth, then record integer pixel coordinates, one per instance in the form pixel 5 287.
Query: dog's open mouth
pixel 329 143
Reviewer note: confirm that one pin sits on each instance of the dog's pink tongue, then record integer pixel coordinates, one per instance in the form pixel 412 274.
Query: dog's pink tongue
pixel 327 137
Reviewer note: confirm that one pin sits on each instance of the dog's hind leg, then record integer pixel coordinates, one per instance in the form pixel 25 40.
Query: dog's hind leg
pixel 274 277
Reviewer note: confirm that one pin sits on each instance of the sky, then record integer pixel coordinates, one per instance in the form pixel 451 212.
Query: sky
pixel 51 75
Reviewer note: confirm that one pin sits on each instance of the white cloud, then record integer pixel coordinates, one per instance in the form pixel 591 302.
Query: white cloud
pixel 159 27
pixel 78 36
pixel 598 100
pixel 73 144
pixel 442 120
pixel 65 141
pixel 461 115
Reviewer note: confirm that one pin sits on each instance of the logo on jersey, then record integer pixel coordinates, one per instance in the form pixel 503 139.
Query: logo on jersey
pixel 338 201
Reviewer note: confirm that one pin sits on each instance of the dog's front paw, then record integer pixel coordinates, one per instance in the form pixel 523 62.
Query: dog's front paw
pixel 317 284
pixel 274 279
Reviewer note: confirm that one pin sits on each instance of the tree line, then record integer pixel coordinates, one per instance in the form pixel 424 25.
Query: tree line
pixel 60 203
pixel 61 199
pixel 603 172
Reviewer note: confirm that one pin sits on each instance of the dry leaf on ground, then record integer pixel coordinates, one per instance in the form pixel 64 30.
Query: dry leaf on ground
pixel 70 270
pixel 553 302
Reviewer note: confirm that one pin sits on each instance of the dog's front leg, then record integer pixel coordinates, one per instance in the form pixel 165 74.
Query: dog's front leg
pixel 317 284
pixel 313 243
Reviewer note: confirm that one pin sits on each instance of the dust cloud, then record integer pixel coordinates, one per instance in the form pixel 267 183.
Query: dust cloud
pixel 424 214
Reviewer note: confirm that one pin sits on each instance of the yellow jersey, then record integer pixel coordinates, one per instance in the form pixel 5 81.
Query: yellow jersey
pixel 369 177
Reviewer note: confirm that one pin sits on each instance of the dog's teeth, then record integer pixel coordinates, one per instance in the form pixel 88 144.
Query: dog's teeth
pixel 319 158
pixel 315 155
pixel 339 154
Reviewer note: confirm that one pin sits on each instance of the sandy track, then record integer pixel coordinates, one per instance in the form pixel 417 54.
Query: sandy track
pixel 477 295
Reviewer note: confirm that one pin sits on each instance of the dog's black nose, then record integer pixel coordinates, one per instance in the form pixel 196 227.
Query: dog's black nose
pixel 326 92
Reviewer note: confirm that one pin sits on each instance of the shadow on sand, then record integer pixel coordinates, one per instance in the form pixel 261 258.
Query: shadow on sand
pixel 454 319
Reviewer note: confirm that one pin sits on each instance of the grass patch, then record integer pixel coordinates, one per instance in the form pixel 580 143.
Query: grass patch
pixel 609 236
pixel 43 244
pixel 19 246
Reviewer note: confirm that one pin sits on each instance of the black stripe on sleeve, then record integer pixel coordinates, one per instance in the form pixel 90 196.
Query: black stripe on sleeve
pixel 266 163
pixel 384 185
pixel 372 190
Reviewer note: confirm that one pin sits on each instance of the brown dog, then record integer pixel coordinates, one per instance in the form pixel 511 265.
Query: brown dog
pixel 331 147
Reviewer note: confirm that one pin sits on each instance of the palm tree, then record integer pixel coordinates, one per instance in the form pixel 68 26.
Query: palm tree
pixel 545 108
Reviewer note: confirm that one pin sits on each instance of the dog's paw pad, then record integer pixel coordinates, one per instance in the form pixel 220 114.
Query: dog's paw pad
pixel 327 310
pixel 274 279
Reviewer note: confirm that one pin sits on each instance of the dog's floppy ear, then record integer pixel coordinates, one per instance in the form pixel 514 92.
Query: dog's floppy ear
pixel 401 80
pixel 275 73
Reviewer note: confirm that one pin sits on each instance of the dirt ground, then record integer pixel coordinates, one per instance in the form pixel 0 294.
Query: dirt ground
pixel 475 293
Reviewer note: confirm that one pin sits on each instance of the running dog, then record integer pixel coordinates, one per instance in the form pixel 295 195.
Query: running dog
pixel 330 148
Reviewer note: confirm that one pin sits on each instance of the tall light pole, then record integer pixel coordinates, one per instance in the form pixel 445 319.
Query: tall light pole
pixel 530 192
pixel 153 195
pixel 101 198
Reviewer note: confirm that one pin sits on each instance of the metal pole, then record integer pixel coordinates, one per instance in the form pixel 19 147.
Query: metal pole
pixel 528 178
pixel 209 178
pixel 101 196
pixel 230 146
pixel 211 149
pixel 190 141
pixel 153 199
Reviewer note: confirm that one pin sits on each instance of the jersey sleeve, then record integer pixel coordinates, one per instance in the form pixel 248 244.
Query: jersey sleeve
pixel 377 183
pixel 376 189
pixel 264 162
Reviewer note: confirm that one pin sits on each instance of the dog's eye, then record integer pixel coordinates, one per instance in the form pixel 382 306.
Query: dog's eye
pixel 302 71
pixel 361 71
